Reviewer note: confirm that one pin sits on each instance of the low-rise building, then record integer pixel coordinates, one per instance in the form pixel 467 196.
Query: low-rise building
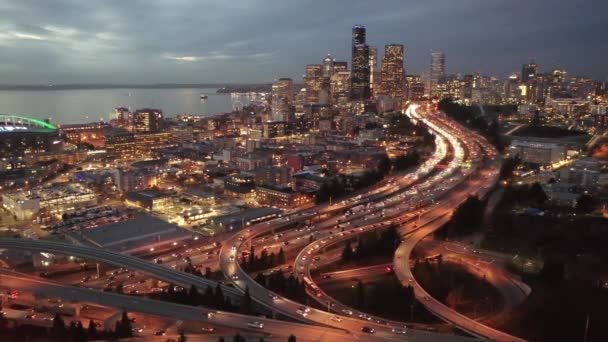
pixel 245 218
pixel 56 200
pixel 149 199
pixel 541 153
pixel 283 197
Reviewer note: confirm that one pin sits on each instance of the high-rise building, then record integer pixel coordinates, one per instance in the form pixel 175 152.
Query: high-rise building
pixel 328 66
pixel 437 72
pixel 360 87
pixel 340 87
pixel 392 73
pixel 313 82
pixel 360 75
pixel 282 98
pixel 528 71
pixel 358 35
pixel 148 120
pixel 414 88
pixel 373 70
pixel 340 66
pixel 467 87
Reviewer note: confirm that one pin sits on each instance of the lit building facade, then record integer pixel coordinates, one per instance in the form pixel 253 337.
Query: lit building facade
pixel 313 81
pixel 437 72
pixel 147 120
pixel 392 73
pixel 360 76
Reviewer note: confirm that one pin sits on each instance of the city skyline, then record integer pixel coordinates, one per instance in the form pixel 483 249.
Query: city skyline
pixel 51 44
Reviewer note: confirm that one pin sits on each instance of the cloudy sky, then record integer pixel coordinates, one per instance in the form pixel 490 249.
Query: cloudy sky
pixel 198 41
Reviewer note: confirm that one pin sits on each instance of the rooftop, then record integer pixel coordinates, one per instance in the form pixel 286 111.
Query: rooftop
pixel 126 235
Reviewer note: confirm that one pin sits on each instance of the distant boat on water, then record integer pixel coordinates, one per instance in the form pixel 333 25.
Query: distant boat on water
pixel 203 97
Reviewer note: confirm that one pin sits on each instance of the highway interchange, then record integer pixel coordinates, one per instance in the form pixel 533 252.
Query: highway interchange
pixel 418 202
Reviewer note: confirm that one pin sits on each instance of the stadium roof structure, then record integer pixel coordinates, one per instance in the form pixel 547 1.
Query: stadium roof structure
pixel 14 123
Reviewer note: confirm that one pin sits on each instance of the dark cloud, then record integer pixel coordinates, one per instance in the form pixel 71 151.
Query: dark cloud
pixel 61 41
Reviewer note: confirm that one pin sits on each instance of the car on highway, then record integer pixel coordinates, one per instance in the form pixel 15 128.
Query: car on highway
pixel 235 277
pixel 159 333
pixel 207 329
pixel 336 319
pixel 304 309
pixel 365 317
pixel 302 313
pixel 368 330
pixel 273 296
pixel 256 324
pixel 400 331
pixel 347 311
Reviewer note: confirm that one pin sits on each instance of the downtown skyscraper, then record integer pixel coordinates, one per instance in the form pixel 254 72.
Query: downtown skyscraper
pixel 392 72
pixel 360 77
pixel 437 73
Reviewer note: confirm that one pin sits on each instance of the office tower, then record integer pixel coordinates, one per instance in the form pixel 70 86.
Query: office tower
pixel 437 72
pixel 340 87
pixel 414 88
pixel 313 82
pixel 358 35
pixel 282 98
pixel 340 66
pixel 373 70
pixel 148 120
pixel 360 74
pixel 467 87
pixel 360 65
pixel 528 71
pixel 557 83
pixel 391 74
pixel 328 66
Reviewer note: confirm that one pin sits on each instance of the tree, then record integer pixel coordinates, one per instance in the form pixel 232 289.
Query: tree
pixel 79 335
pixel 208 272
pixel 347 253
pixel 92 330
pixel 291 338
pixel 585 203
pixel 281 257
pixel 218 297
pixel 182 336
pixel 246 306
pixel 59 331
pixel 360 294
pixel 208 296
pixel 508 166
pixel 467 218
pixel 384 165
pixel 193 296
pixel 123 326
pixel 251 257
pixel 553 270
pixel 537 194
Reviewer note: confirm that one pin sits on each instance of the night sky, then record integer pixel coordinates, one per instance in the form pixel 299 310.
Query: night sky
pixel 199 41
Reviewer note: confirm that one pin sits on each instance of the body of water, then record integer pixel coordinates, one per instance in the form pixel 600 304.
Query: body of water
pixel 89 105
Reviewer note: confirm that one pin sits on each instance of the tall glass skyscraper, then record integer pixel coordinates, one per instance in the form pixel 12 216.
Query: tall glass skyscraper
pixel 360 77
pixel 392 72
pixel 437 73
